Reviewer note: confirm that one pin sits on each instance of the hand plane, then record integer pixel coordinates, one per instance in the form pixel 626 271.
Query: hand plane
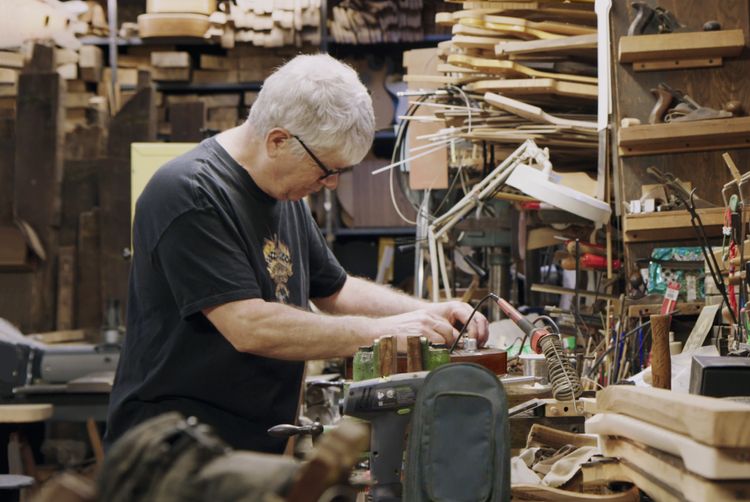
pixel 650 20
pixel 685 108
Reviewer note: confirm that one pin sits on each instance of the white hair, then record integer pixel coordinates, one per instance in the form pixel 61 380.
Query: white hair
pixel 322 101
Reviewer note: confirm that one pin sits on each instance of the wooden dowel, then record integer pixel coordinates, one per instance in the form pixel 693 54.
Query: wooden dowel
pixel 388 356
pixel 414 354
pixel 661 362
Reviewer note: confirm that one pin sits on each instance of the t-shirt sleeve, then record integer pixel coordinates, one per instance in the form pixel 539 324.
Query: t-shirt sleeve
pixel 327 276
pixel 203 263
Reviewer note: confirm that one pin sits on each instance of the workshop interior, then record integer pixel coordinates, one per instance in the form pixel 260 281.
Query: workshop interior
pixel 575 171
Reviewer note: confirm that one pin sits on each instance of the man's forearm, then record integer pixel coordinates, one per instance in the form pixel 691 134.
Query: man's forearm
pixel 282 332
pixel 363 297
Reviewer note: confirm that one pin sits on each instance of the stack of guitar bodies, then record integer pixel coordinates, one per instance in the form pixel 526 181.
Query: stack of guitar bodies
pixel 673 446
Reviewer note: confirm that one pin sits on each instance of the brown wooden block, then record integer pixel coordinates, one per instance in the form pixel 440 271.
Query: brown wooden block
pixel 187 120
pixel 37 197
pixel 225 114
pixel 221 100
pixel 211 62
pixel 215 76
pixel 661 362
pixel 88 287
pixel 8 76
pixel 90 63
pixel 171 74
pixel 170 59
pixel 7 163
pixel 65 287
pixel 125 76
pixel 11 60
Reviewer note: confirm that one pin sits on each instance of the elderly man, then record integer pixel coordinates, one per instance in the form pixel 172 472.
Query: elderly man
pixel 227 257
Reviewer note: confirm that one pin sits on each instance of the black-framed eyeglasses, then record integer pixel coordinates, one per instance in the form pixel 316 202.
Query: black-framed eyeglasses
pixel 328 172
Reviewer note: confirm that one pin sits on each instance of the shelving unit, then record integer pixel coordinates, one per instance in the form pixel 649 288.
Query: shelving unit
pixel 702 135
pixel 680 50
pixel 706 66
pixel 670 225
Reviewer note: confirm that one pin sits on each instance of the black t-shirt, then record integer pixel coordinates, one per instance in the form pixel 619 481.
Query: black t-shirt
pixel 204 235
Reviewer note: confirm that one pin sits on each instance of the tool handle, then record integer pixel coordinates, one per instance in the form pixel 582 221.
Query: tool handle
pixel 386 455
pixel 663 100
pixel 643 15
pixel 661 362
pixel 289 430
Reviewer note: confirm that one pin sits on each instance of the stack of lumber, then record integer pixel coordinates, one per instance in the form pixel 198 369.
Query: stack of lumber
pixel 94 20
pixel 375 21
pixel 170 66
pixel 530 67
pixel 10 65
pixel 176 18
pixel 276 23
pixel 675 446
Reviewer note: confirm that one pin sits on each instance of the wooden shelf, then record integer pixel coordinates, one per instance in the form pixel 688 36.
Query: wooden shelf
pixel 702 135
pixel 680 50
pixel 147 41
pixel 684 308
pixel 670 225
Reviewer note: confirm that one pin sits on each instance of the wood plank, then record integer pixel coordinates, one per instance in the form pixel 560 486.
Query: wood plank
pixel 548 26
pixel 671 471
pixel 37 187
pixel 170 59
pixel 534 86
pixel 211 62
pixel 66 287
pixel 11 60
pixel 558 290
pixel 576 44
pixel 171 74
pixel 521 492
pixel 431 170
pixel 172 25
pixel 689 45
pixel 66 336
pixel 370 206
pixel 670 225
pixel 512 69
pixel 7 163
pixel 712 421
pixel 685 308
pixel 24 413
pixel 677 64
pixel 88 288
pixel 215 76
pixel 187 119
pixel 706 461
pixel 533 113
pixel 134 123
pixel 718 134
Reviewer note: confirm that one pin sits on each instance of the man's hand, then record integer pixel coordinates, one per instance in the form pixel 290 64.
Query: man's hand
pixel 422 322
pixel 456 312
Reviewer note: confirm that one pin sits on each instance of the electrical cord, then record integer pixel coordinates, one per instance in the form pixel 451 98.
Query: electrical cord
pixel 466 326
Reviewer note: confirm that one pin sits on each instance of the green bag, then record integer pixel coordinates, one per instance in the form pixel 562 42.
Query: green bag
pixel 459 445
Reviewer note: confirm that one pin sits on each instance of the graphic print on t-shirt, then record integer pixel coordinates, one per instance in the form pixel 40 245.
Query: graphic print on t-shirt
pixel 279 265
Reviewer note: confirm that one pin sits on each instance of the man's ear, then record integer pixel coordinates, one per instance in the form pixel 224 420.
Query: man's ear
pixel 276 140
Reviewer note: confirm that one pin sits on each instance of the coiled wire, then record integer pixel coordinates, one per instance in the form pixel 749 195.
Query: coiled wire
pixel 566 386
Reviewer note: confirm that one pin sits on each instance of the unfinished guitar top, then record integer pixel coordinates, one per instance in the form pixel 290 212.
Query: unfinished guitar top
pixel 512 69
pixel 535 86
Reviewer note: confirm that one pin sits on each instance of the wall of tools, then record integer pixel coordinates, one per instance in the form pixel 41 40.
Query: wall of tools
pixel 679 126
